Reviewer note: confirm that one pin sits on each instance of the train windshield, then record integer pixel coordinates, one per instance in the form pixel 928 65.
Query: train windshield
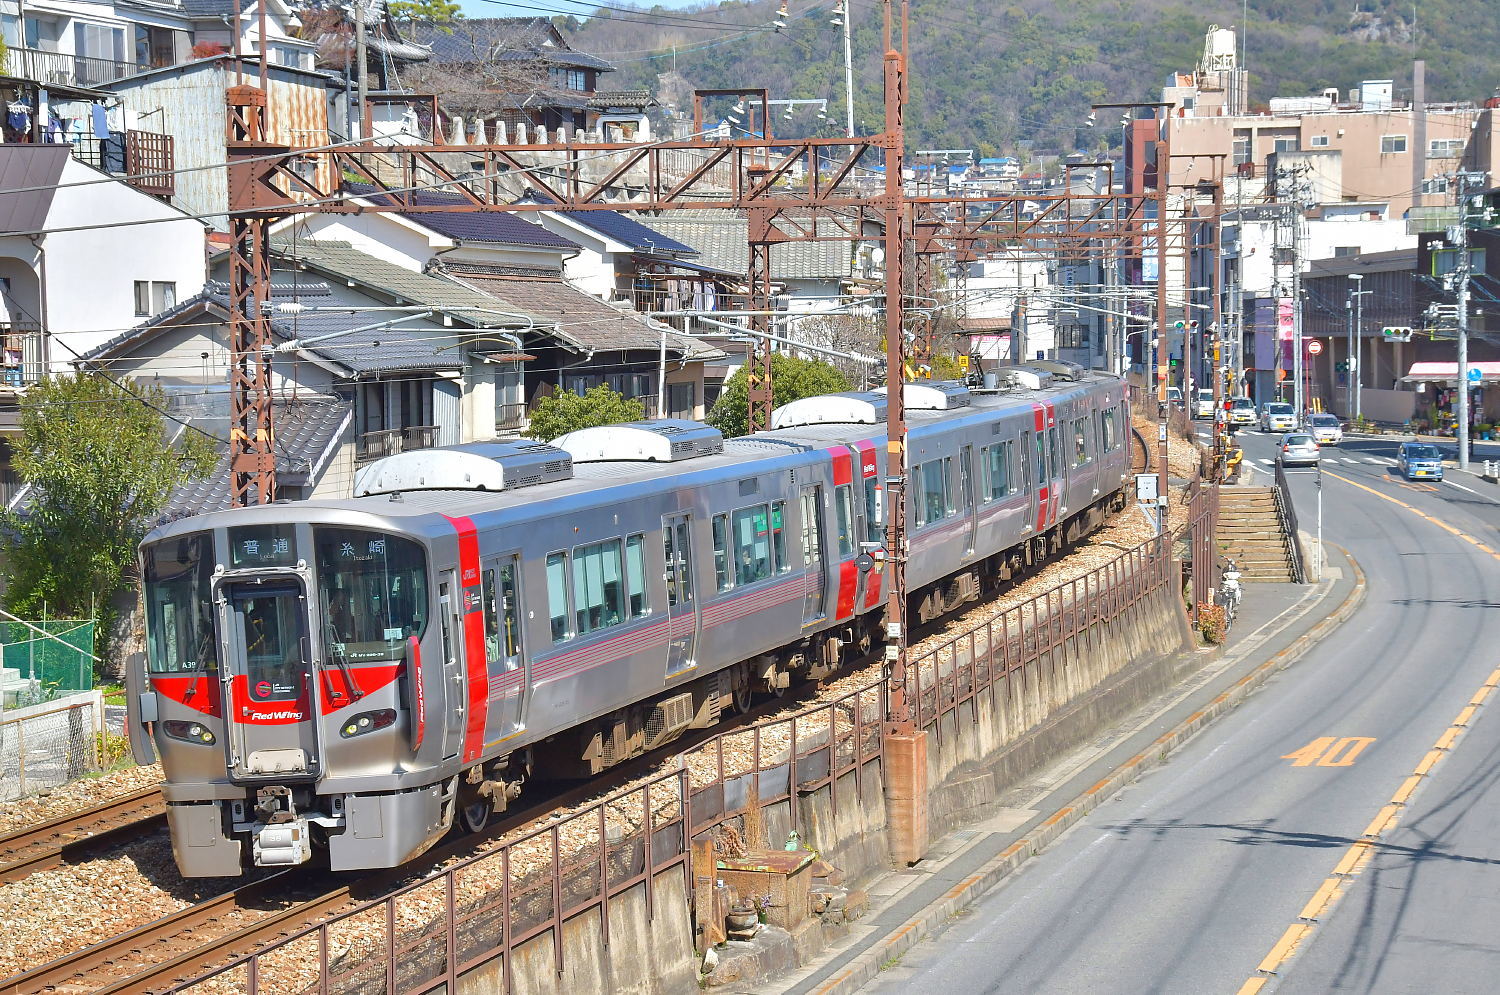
pixel 372 592
pixel 179 615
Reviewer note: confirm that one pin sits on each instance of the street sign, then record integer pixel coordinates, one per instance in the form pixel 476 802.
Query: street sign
pixel 1475 374
pixel 1314 347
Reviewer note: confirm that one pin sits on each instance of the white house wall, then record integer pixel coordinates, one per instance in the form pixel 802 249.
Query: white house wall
pixel 90 274
pixel 175 355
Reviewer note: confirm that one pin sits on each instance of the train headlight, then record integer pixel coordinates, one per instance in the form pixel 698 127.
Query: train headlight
pixel 188 732
pixel 368 722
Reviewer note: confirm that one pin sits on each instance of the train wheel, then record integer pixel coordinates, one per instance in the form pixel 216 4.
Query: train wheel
pixel 474 809
pixel 741 695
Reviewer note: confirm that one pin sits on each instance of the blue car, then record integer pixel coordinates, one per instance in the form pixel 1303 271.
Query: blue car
pixel 1420 461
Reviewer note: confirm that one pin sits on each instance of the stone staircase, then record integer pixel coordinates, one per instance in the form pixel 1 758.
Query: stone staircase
pixel 1250 534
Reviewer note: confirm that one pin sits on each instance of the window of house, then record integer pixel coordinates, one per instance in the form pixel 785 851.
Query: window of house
pixel 598 586
pixel 635 575
pixel 1445 261
pixel 557 595
pixel 723 565
pixel 1445 148
pixel 1392 143
pixel 1318 141
pixel 570 79
pixel 1345 251
pixel 154 296
pixel 1280 145
pixel 752 544
pixel 1241 150
pixel 10 29
pixel 1437 184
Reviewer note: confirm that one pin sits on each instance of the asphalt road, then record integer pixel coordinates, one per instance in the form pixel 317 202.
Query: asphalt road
pixel 1195 876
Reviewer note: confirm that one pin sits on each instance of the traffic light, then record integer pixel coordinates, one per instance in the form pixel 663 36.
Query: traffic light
pixel 1396 333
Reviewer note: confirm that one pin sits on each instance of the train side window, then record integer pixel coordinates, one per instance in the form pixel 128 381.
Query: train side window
pixel 752 544
pixel 723 565
pixel 1080 441
pixel 491 617
pixel 934 503
pixel 997 458
pixel 1024 462
pixel 557 595
pixel 1107 430
pixel 874 513
pixel 598 586
pixel 1054 445
pixel 778 536
pixel 635 575
pixel 1041 460
pixel 843 512
pixel 1017 476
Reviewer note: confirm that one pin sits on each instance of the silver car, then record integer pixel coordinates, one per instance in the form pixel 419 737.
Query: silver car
pixel 1298 449
pixel 1325 429
pixel 1277 416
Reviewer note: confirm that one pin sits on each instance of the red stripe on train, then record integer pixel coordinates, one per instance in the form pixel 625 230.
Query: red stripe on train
pixel 477 671
pixel 198 692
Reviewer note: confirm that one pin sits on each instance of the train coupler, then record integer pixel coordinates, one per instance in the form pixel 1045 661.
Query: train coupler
pixel 279 836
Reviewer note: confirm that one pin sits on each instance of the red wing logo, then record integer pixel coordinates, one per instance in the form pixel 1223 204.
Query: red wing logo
pixel 263 689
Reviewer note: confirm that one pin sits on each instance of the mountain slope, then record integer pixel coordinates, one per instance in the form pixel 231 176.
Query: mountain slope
pixel 989 75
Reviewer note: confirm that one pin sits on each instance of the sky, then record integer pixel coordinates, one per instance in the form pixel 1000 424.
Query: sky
pixel 483 8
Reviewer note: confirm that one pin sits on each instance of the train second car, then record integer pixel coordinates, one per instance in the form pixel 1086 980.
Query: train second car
pixel 349 679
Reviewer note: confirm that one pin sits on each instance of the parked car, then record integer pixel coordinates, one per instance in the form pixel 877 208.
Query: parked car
pixel 1203 403
pixel 1298 449
pixel 1325 428
pixel 1277 416
pixel 1174 396
pixel 1242 411
pixel 1420 460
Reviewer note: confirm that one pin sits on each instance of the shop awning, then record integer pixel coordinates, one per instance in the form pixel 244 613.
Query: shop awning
pixel 1447 373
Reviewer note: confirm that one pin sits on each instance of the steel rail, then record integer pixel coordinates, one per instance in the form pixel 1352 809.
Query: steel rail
pixel 67 837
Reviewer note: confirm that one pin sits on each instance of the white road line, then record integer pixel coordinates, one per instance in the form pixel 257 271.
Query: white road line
pixel 1267 462
pixel 1470 490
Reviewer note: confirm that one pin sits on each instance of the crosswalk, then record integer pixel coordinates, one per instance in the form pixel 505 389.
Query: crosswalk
pixel 1353 460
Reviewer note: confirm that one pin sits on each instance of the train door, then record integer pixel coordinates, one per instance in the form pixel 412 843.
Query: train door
pixel 454 703
pixel 814 582
pixel 503 650
pixel 1029 479
pixel 1058 465
pixel 966 494
pixel 272 728
pixel 683 621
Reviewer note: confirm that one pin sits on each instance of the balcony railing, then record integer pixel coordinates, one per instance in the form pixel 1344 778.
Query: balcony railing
pixel 510 417
pixel 389 441
pixel 60 67
pixel 22 360
pixel 145 158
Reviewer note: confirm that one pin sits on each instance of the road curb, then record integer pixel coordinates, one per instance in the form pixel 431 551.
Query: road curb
pixel 870 963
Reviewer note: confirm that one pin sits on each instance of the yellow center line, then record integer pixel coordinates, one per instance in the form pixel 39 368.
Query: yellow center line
pixel 1360 852
pixel 1420 514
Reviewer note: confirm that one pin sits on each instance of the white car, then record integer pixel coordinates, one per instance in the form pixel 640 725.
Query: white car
pixel 1242 411
pixel 1325 428
pixel 1203 403
pixel 1277 416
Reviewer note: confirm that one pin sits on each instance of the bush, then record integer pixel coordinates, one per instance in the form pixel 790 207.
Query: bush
pixel 1213 622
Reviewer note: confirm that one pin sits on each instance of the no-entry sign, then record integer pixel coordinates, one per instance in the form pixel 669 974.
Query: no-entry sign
pixel 1314 347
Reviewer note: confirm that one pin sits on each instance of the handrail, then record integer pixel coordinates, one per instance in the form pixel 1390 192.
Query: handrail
pixel 1287 512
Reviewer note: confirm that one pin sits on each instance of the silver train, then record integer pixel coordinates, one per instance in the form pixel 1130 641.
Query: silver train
pixel 352 678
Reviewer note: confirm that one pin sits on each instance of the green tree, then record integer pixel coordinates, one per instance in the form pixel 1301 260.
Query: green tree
pixel 100 469
pixel 564 412
pixel 791 379
pixel 438 12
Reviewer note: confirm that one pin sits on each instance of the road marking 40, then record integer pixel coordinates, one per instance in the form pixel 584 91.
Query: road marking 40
pixel 1328 751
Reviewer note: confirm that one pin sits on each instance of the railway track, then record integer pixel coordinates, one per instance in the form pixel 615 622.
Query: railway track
pixel 69 837
pixel 187 943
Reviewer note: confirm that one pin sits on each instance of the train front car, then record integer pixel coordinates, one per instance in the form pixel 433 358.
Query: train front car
pixel 282 675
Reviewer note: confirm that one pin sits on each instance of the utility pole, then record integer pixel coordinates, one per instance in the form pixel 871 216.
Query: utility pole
pixel 1349 374
pixel 1463 274
pixel 1357 361
pixel 848 8
pixel 363 65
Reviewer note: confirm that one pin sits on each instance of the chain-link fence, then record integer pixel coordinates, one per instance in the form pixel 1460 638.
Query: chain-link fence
pixel 42 746
pixel 40 661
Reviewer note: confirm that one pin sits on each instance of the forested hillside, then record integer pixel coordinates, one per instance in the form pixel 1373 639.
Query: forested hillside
pixel 991 74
